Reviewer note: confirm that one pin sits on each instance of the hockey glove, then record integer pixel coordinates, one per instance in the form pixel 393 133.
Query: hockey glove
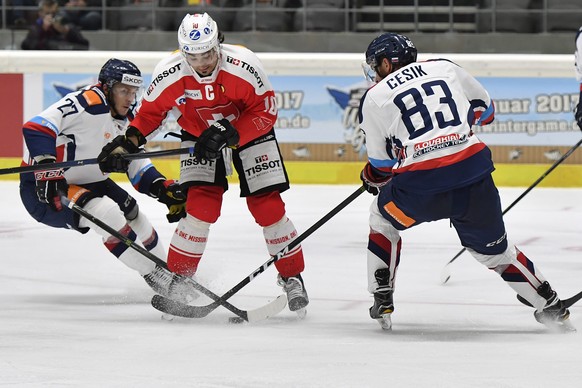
pixel 214 138
pixel 373 179
pixel 578 113
pixel 111 157
pixel 170 194
pixel 51 185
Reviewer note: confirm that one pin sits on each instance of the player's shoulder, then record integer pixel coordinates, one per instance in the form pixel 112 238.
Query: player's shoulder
pixel 242 63
pixel 93 100
pixel 169 65
pixel 240 59
pixel 168 71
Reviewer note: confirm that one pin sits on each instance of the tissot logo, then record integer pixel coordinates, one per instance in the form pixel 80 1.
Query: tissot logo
pixel 247 67
pixel 262 158
pixel 163 75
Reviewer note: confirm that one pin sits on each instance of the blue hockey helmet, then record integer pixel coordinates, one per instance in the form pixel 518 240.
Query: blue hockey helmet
pixel 397 48
pixel 118 70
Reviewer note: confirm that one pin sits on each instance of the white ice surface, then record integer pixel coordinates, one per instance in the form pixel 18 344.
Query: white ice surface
pixel 73 316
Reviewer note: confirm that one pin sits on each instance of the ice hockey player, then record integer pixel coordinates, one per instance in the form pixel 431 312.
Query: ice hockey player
pixel 425 164
pixel 77 127
pixel 226 106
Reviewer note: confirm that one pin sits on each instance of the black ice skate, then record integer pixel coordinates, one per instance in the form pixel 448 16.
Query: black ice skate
pixel 170 285
pixel 383 301
pixel 296 293
pixel 554 315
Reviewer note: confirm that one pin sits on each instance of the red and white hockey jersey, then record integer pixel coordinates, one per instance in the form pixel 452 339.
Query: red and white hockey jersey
pixel 240 92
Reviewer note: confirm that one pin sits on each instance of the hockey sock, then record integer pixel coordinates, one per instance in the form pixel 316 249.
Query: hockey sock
pixel 147 235
pixel 107 211
pixel 384 244
pixel 187 245
pixel 517 271
pixel 277 237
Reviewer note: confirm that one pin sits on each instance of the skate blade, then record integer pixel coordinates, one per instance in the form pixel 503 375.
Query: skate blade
pixel 301 313
pixel 564 326
pixel 385 322
pixel 167 317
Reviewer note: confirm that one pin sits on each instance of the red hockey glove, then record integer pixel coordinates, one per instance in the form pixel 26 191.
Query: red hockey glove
pixel 373 179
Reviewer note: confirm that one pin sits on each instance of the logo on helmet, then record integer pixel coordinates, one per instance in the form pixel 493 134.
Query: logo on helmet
pixel 194 35
pixel 132 80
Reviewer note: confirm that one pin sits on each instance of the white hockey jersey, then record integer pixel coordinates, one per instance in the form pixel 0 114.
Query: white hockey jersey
pixel 418 122
pixel 77 127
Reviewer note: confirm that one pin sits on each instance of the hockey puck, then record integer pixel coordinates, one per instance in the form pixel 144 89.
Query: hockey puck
pixel 236 320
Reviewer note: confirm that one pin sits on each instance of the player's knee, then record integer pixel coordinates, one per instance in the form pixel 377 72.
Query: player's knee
pixel 106 210
pixel 504 258
pixel 379 224
pixel 132 212
pixel 204 203
pixel 191 223
pixel 267 209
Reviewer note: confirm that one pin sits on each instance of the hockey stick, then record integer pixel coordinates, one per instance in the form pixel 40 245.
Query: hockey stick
pixel 253 315
pixel 167 305
pixel 85 162
pixel 567 302
pixel 446 272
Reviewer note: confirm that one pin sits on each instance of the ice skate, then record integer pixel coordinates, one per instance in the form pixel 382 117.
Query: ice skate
pixel 554 315
pixel 383 301
pixel 171 286
pixel 296 294
pixel 382 309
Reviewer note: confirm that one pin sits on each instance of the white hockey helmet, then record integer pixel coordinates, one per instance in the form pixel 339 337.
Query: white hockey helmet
pixel 198 33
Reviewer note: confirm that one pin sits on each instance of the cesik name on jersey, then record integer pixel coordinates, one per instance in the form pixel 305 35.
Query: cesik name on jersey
pixel 418 122
pixel 238 91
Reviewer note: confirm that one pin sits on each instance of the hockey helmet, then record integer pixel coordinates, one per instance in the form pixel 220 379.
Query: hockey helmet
pixel 118 70
pixel 198 33
pixel 397 48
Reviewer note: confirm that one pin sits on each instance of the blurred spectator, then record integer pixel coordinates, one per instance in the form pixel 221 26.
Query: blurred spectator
pixel 84 18
pixel 52 31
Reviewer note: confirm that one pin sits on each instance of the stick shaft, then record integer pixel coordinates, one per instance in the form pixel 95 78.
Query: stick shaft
pixel 86 162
